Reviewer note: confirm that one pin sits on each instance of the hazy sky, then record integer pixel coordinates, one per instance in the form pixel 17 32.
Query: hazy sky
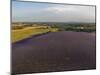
pixel 45 12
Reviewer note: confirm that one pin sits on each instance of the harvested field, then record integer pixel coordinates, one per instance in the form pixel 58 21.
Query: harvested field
pixel 27 32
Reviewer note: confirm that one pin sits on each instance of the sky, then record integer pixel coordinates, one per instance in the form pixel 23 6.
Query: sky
pixel 49 12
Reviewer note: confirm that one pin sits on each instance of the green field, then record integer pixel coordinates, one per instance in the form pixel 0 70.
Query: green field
pixel 20 34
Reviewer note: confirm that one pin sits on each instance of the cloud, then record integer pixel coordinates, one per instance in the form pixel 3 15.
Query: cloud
pixel 70 8
pixel 54 12
pixel 72 12
pixel 58 9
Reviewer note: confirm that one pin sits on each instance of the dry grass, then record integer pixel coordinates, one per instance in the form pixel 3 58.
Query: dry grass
pixel 20 34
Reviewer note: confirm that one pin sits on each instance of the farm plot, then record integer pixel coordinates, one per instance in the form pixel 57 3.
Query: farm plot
pixel 20 34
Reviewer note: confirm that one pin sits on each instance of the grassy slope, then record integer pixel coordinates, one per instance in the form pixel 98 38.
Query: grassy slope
pixel 18 35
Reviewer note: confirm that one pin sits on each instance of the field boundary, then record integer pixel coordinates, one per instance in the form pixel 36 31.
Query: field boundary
pixel 31 37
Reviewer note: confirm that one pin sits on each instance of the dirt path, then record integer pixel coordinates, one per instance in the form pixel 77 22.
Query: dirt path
pixel 57 51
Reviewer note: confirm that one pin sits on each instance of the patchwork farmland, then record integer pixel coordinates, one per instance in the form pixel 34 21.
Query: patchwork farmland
pixel 22 31
pixel 50 47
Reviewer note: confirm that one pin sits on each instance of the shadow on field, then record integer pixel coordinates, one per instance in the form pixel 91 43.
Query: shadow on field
pixel 58 51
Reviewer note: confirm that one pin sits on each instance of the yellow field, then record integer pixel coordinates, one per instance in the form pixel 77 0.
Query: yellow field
pixel 20 34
